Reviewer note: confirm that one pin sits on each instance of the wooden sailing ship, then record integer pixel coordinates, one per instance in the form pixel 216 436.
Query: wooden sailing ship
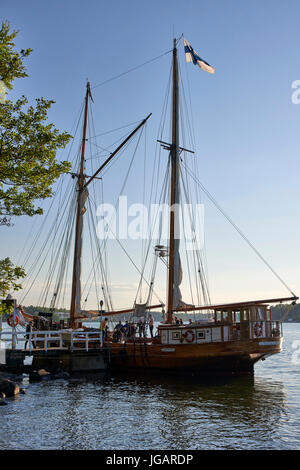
pixel 235 337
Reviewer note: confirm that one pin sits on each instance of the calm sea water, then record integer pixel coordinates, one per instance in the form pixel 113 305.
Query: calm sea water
pixel 161 413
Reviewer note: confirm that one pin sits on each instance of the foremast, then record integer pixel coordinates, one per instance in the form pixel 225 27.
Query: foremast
pixel 82 185
pixel 82 194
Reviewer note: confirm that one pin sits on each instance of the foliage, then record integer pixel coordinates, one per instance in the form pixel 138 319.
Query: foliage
pixel 11 62
pixel 6 308
pixel 28 148
pixel 31 309
pixel 28 145
pixel 9 276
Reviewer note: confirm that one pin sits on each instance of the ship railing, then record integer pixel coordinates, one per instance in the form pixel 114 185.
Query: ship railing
pixel 49 339
pixel 83 340
pixel 222 331
pixel 254 330
pixel 266 328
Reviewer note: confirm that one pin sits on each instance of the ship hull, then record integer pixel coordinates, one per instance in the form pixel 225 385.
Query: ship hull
pixel 230 358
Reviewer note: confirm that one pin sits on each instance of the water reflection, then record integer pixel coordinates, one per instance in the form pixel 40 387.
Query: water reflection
pixel 199 414
pixel 153 411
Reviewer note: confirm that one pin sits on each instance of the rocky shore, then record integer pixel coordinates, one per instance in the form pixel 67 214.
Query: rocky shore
pixel 10 384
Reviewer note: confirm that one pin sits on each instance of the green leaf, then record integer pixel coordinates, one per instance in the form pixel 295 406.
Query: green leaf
pixel 9 277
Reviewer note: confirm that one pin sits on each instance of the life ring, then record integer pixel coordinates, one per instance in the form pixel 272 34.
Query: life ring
pixel 258 329
pixel 189 336
pixel 11 319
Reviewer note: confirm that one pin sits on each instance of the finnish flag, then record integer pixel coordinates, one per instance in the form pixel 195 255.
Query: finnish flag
pixel 192 56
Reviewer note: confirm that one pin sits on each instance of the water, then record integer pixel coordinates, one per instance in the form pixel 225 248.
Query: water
pixel 161 413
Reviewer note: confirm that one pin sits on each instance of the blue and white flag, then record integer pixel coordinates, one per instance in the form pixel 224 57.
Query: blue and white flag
pixel 192 56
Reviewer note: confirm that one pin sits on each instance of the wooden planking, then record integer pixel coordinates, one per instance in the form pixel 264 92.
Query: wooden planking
pixel 189 356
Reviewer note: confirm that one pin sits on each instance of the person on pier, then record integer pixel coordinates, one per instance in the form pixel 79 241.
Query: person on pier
pixel 28 336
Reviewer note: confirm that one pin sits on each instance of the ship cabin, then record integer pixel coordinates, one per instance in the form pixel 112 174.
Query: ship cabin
pixel 231 323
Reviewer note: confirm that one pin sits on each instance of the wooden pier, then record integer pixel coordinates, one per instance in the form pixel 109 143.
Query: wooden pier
pixel 71 351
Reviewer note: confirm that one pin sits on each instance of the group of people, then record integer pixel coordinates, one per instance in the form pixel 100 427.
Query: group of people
pixel 180 322
pixel 131 330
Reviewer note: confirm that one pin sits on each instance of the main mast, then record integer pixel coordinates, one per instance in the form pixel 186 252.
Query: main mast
pixel 76 287
pixel 174 196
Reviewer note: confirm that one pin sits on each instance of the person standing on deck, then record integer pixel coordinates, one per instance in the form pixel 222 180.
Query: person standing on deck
pixel 104 329
pixel 151 324
pixel 143 327
pixel 133 331
pixel 126 328
pixel 118 331
pixel 139 327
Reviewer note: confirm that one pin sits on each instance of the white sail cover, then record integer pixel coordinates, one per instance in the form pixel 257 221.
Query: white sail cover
pixel 177 296
pixel 78 255
pixel 177 279
pixel 140 310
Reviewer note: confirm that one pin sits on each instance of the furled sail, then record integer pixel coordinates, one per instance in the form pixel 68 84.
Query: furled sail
pixel 82 210
pixel 140 310
pixel 177 296
pixel 177 276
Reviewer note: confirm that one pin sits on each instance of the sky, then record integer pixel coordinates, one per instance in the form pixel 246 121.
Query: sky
pixel 246 125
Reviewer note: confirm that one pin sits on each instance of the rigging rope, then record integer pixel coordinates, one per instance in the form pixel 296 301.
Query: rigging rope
pixel 237 229
pixel 131 70
pixel 104 242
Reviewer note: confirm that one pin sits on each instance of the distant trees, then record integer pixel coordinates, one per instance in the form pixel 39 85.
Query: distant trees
pixel 279 310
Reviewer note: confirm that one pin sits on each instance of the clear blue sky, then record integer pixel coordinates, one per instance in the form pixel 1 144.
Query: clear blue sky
pixel 247 128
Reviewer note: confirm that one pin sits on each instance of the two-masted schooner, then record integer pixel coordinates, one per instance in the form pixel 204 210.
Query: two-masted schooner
pixel 237 335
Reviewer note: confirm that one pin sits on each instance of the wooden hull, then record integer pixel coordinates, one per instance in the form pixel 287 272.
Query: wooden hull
pixel 230 357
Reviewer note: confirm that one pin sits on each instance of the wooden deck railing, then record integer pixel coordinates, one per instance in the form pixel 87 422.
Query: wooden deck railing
pixel 49 340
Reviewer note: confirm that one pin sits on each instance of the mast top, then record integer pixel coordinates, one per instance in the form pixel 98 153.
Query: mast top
pixel 88 91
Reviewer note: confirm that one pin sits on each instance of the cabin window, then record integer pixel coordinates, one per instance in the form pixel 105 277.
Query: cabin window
pixel 175 335
pixel 164 337
pixel 262 313
pixel 218 316
pixel 244 315
pixel 201 334
pixel 225 316
pixel 236 317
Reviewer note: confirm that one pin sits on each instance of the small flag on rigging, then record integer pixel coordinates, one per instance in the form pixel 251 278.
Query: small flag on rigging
pixel 192 56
